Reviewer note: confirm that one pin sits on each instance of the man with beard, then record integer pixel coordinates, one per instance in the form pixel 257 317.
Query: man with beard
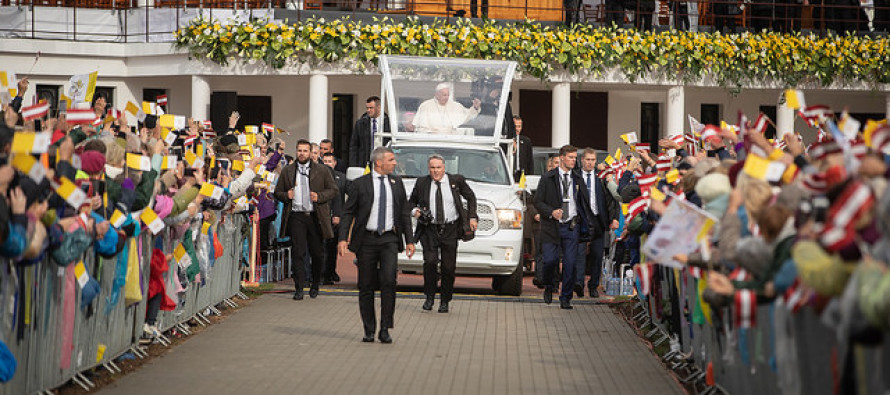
pixel 306 188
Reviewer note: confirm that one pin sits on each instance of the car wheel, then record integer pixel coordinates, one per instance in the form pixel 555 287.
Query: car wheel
pixel 509 285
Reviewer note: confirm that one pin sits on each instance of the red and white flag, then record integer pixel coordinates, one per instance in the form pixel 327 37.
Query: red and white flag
pixel 858 149
pixel 710 133
pixel 162 100
pixel 643 147
pixel 797 296
pixel 36 111
pixel 208 133
pixel 815 183
pixel 636 207
pixel 114 113
pixel 677 139
pixel 761 123
pixel 739 274
pixel 820 151
pixel 695 271
pixel 207 124
pixel 745 308
pixel 646 182
pixel 663 163
pixel 268 128
pixel 880 139
pixel 79 116
pixel 644 272
pixel 855 201
pixel 816 115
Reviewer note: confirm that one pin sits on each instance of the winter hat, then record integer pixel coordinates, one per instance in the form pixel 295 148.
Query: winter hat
pixel 824 273
pixel 712 186
pixel 630 192
pixel 703 167
pixel 92 162
pixel 107 245
pixel 128 195
pixel 754 255
pixel 89 291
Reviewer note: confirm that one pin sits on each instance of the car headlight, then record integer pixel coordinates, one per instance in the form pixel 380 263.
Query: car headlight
pixel 509 219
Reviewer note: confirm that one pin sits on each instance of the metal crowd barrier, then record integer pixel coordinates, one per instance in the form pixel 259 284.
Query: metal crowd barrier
pixel 100 338
pixel 749 363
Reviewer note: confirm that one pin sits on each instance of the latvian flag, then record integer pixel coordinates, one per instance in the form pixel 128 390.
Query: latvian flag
pixel 858 149
pixel 207 124
pixel 636 207
pixel 162 100
pixel 816 115
pixel 80 116
pixel 646 182
pixel 677 139
pixel 854 202
pixel 820 151
pixel 208 133
pixel 663 163
pixel 880 139
pixel 745 308
pixel 644 272
pixel 36 111
pixel 710 133
pixel 761 123
pixel 268 128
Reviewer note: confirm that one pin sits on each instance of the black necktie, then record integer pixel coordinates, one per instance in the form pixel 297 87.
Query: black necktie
pixel 591 190
pixel 440 205
pixel 381 207
pixel 373 130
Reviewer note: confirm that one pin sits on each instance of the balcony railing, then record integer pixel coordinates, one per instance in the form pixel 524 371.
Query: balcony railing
pixel 134 21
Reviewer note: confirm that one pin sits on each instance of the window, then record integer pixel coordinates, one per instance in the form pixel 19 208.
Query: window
pixel 50 93
pixel 770 111
pixel 710 114
pixel 650 124
pixel 476 165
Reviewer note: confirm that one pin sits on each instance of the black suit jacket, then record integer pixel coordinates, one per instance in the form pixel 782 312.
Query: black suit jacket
pixel 337 203
pixel 549 197
pixel 606 205
pixel 358 209
pixel 526 157
pixel 420 198
pixel 360 144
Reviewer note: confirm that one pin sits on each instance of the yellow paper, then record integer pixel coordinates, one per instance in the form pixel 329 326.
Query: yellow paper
pixel 166 121
pixel 624 207
pixel 100 352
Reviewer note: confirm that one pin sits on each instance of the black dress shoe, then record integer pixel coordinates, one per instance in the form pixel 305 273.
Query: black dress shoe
pixel 548 295
pixel 428 304
pixel 579 289
pixel 313 293
pixel 298 295
pixel 335 278
pixel 594 293
pixel 443 307
pixel 384 336
pixel 565 305
pixel 327 282
pixel 369 337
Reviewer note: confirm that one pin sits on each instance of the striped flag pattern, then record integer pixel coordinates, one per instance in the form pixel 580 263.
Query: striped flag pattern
pixel 745 308
pixel 854 202
pixel 80 116
pixel 36 111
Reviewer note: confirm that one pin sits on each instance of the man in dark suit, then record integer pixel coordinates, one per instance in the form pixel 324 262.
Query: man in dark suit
pixel 376 220
pixel 329 274
pixel 522 145
pixel 605 217
pixel 306 188
pixel 564 206
pixel 441 220
pixel 327 146
pixel 364 132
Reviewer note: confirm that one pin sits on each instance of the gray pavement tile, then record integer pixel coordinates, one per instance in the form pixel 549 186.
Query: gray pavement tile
pixel 277 345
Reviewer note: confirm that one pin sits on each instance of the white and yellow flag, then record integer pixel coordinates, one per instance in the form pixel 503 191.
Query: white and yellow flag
pixel 81 87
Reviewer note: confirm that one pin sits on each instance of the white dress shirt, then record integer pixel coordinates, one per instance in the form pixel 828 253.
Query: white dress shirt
pixel 447 200
pixel 592 189
pixel 573 209
pixel 375 207
pixel 302 201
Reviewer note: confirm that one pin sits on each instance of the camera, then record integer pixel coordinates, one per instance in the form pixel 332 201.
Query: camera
pixel 426 217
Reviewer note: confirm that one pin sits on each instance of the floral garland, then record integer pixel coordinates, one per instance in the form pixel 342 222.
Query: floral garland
pixel 733 60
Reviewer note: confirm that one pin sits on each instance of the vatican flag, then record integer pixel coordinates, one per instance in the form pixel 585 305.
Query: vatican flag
pixel 82 86
pixel 522 180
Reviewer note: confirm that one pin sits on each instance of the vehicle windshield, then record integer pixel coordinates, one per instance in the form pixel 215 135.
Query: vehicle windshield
pixel 476 165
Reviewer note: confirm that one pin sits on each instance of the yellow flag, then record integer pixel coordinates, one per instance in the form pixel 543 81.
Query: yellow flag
pixel 210 190
pixel 82 87
pixel 132 108
pixel 238 165
pixel 609 160
pixel 762 168
pixel 794 99
pixel 180 255
pixel 522 180
pixel 205 227
pixel 166 121
pixel 30 142
pixel 151 219
pixel 118 218
pixel 367 170
pixel 672 176
pixel 656 194
pixel 27 164
pixel 138 162
pixel 618 154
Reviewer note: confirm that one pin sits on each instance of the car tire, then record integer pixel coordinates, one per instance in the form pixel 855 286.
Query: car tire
pixel 509 285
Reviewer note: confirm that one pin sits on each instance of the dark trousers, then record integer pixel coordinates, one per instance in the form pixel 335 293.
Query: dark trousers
pixel 614 13
pixel 264 241
pixel 439 246
pixel 305 234
pixel 591 263
pixel 330 257
pixel 151 310
pixel 377 269
pixel 568 244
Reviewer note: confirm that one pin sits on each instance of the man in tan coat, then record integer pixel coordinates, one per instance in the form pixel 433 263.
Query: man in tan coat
pixel 306 188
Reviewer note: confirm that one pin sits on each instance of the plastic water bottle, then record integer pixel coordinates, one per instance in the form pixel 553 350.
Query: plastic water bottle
pixel 627 283
pixel 613 288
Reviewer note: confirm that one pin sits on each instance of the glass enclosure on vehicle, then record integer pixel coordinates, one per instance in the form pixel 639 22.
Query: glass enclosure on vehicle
pixel 442 97
pixel 476 165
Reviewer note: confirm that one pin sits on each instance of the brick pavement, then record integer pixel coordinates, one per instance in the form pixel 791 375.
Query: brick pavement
pixel 277 345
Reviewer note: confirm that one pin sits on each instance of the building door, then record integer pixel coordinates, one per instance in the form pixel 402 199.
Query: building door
pixel 254 110
pixel 769 111
pixel 588 126
pixel 650 124
pixel 342 110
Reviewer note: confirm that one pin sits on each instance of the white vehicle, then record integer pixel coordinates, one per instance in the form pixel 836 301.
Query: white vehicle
pixel 465 128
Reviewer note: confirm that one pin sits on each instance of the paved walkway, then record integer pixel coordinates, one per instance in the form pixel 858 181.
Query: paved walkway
pixel 277 345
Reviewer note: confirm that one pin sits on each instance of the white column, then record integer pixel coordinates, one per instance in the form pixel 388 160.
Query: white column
pixel 784 118
pixel 676 111
pixel 559 134
pixel 318 107
pixel 200 98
